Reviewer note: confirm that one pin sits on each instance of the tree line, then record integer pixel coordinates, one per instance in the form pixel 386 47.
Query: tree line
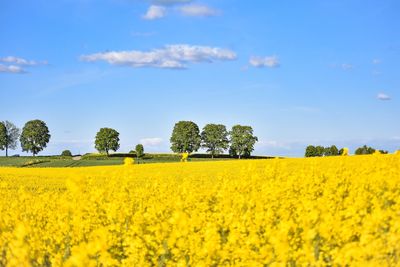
pixel 320 151
pixel 187 138
pixel 34 137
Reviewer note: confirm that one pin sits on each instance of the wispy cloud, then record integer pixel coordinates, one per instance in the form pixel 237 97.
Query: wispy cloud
pixel 171 56
pixel 11 69
pixel 383 96
pixel 153 141
pixel 198 10
pixel 159 9
pixel 14 64
pixel 154 12
pixel 264 62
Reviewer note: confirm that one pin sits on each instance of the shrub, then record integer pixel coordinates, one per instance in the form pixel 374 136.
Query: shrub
pixel 66 153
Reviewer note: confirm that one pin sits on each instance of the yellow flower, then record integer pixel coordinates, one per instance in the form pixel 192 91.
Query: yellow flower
pixel 129 161
pixel 377 152
pixel 185 157
pixel 334 211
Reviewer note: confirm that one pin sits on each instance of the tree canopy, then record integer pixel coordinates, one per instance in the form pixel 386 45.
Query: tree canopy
pixel 185 137
pixel 3 136
pixel 214 138
pixel 107 139
pixel 364 150
pixel 35 136
pixel 66 153
pixel 242 140
pixel 139 149
pixel 9 135
pixel 319 151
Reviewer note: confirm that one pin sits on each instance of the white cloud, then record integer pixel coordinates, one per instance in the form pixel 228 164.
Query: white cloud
pixel 155 12
pixel 261 62
pixel 171 56
pixel 11 69
pixel 155 141
pixel 13 64
pixel 21 61
pixel 197 10
pixel 382 96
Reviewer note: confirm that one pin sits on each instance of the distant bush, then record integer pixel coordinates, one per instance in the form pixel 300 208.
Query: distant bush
pixel 97 156
pixel 66 153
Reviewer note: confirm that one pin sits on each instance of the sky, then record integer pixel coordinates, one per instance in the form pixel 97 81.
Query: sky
pixel 298 72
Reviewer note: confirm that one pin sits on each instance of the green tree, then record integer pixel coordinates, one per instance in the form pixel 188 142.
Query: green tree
pixel 319 150
pixel 3 136
pixel 242 140
pixel 66 153
pixel 331 151
pixel 35 136
pixel 139 149
pixel 214 137
pixel 185 137
pixel 107 139
pixel 310 151
pixel 364 150
pixel 9 135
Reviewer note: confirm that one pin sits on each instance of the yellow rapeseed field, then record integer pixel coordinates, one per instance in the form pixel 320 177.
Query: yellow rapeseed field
pixel 335 211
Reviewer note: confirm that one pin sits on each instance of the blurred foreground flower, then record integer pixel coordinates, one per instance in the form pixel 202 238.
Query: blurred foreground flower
pixel 185 157
pixel 129 161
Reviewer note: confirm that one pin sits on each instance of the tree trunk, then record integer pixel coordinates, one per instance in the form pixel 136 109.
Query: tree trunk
pixel 212 156
pixel 240 156
pixel 6 151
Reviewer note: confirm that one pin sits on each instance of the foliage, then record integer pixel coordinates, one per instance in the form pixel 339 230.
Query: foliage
pixel 232 152
pixel 66 153
pixel 107 139
pixel 319 151
pixel 139 149
pixel 331 151
pixel 9 135
pixel 214 137
pixel 35 136
pixel 242 140
pixel 185 137
pixel 364 150
pixel 3 136
pixel 310 151
pixel 335 211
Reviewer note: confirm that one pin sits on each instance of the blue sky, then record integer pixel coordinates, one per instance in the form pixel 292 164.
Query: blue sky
pixel 298 72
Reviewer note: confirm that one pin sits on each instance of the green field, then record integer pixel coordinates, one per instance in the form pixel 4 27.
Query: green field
pixel 99 160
